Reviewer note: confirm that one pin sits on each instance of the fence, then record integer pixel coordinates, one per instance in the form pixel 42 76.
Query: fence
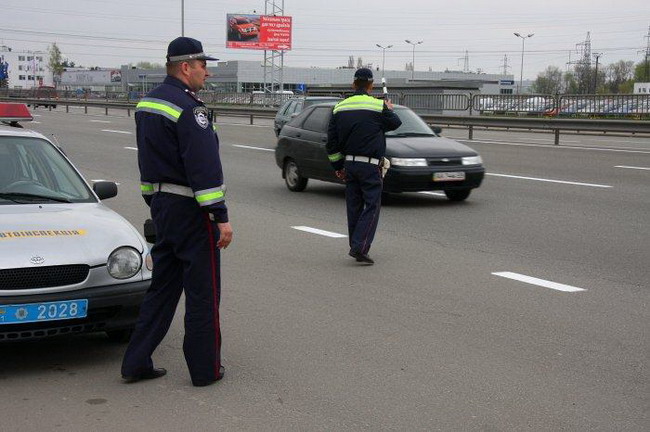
pixel 634 106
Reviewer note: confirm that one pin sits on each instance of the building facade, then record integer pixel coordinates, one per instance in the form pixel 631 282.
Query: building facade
pixel 24 69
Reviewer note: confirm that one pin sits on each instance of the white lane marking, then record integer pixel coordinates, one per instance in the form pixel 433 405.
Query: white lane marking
pixel 131 148
pixel 36 115
pixel 253 148
pixel 117 131
pixel 98 180
pixel 632 167
pixel 99 121
pixel 243 124
pixel 548 180
pixel 319 232
pixel 442 194
pixel 539 282
pixel 564 147
pixel 35 122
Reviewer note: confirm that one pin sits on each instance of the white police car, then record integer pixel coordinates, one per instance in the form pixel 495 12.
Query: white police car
pixel 68 264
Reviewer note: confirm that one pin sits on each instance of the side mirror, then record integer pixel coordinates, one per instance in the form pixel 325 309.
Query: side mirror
pixel 105 189
pixel 437 130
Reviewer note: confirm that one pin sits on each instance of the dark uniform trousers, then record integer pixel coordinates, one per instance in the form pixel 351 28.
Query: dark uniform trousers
pixel 185 256
pixel 363 185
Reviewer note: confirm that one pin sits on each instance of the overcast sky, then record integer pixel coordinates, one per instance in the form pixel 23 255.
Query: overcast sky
pixel 325 33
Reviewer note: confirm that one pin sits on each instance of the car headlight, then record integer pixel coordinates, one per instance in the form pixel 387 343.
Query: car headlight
pixel 408 161
pixel 472 160
pixel 124 262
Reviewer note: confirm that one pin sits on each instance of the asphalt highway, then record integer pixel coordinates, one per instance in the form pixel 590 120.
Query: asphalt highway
pixel 525 307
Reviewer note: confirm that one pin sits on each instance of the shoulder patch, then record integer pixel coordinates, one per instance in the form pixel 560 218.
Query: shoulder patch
pixel 201 116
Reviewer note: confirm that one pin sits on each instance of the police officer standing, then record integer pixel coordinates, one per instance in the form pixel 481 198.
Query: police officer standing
pixel 356 146
pixel 182 182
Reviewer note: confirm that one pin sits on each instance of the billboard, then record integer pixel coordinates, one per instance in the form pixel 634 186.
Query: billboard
pixel 258 32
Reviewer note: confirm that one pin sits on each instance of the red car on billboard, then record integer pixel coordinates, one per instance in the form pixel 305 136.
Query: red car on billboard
pixel 242 28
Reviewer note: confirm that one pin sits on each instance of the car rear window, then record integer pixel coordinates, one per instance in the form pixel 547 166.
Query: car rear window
pixel 318 119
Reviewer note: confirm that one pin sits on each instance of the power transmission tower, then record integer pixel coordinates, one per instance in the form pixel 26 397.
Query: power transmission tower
pixel 505 65
pixel 583 65
pixel 465 60
pixel 273 60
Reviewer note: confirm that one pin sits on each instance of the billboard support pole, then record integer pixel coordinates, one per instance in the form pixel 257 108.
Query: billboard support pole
pixel 273 60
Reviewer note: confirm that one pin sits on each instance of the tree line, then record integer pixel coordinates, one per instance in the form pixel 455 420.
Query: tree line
pixel 614 78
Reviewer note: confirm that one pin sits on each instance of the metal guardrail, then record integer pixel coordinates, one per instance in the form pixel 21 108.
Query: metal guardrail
pixel 555 125
pixel 239 111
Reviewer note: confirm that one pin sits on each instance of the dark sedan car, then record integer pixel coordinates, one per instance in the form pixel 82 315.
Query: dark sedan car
pixel 421 160
pixel 294 106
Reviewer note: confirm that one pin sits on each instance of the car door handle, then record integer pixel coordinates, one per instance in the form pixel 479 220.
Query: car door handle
pixel 297 135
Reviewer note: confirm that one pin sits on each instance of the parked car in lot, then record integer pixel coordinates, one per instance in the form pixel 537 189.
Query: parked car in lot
pixel 68 263
pixel 292 107
pixel 421 160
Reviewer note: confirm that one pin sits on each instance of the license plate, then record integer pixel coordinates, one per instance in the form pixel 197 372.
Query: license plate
pixel 449 176
pixel 36 312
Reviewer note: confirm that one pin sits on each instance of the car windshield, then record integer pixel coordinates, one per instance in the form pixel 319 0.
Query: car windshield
pixel 412 124
pixel 32 170
pixel 242 21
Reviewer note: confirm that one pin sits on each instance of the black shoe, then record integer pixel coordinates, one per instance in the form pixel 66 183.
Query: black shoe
pixel 152 374
pixel 361 258
pixel 222 372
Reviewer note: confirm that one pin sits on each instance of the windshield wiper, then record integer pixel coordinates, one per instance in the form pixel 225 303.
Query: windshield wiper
pixel 411 134
pixel 15 196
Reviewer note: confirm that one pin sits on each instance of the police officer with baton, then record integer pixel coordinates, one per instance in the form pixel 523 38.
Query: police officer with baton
pixel 182 182
pixel 356 147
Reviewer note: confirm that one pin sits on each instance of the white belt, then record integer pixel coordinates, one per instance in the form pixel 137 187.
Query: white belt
pixel 366 159
pixel 173 189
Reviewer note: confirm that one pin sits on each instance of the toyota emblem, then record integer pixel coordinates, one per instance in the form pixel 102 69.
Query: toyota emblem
pixel 37 260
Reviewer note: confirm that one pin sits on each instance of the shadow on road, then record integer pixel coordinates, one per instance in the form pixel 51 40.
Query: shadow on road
pixel 67 354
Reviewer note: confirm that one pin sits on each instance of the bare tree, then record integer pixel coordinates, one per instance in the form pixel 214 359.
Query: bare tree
pixel 549 81
pixel 617 74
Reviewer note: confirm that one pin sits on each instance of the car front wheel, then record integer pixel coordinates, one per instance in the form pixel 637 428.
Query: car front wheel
pixel 295 182
pixel 457 195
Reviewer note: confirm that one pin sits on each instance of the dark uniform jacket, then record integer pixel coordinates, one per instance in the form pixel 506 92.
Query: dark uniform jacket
pixel 357 128
pixel 177 145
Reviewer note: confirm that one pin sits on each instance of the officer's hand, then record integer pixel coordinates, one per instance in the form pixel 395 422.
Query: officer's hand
pixel 340 174
pixel 225 235
pixel 389 104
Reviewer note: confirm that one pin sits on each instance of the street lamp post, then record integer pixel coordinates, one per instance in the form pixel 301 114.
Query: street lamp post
pixel 521 73
pixel 413 63
pixel 383 57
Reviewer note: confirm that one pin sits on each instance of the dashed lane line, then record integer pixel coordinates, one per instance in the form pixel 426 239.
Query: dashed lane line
pixel 117 131
pixel 253 148
pixel 319 232
pixel 131 148
pixel 99 121
pixel 549 180
pixel 539 282
pixel 633 167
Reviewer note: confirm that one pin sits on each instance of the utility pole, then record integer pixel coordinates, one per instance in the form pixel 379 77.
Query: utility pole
pixel 521 74
pixel 465 59
pixel 597 56
pixel 182 17
pixel 413 64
